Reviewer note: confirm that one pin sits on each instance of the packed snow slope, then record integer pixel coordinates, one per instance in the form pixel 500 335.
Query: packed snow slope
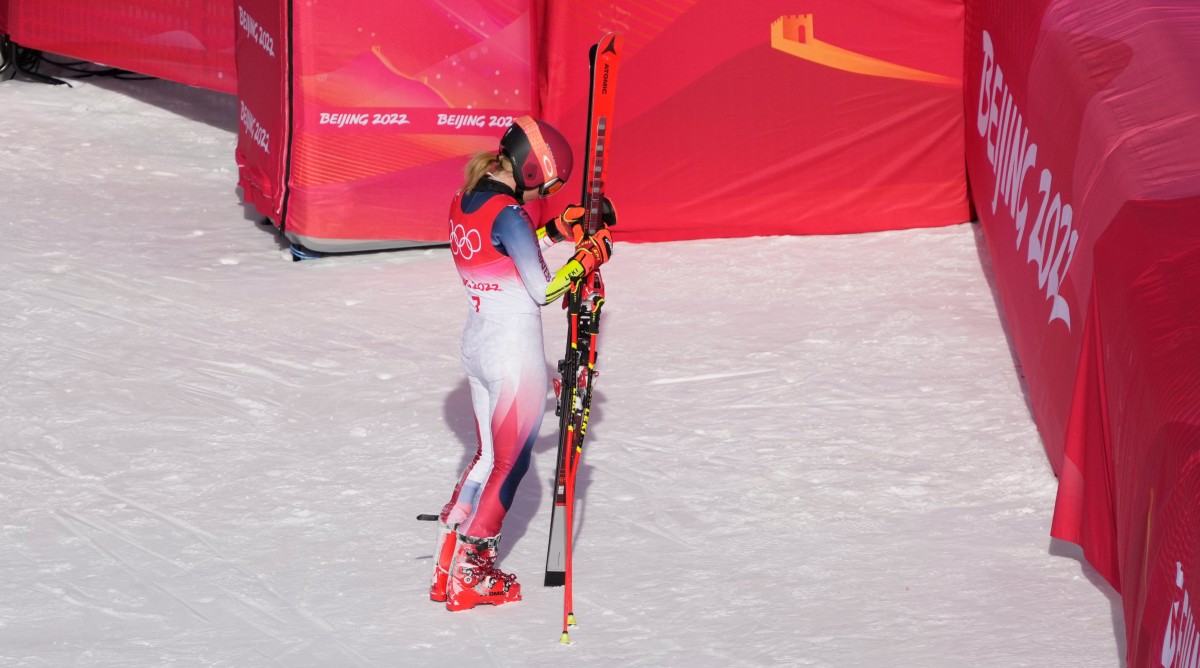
pixel 809 451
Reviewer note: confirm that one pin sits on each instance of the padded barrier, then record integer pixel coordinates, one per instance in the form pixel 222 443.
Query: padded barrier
pixel 733 118
pixel 1082 139
pixel 189 41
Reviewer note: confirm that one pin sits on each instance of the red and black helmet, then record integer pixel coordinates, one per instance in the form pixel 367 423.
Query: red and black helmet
pixel 540 156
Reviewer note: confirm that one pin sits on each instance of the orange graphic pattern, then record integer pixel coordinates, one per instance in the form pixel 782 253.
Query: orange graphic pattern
pixel 794 35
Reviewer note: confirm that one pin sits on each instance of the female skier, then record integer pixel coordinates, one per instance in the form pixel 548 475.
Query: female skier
pixel 497 252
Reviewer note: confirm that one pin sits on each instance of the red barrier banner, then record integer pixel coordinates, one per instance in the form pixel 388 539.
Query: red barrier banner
pixel 1024 128
pixel 1081 150
pixel 264 103
pixel 773 117
pixel 387 101
pixel 189 41
pixel 731 120
pixel 734 118
pixel 1146 475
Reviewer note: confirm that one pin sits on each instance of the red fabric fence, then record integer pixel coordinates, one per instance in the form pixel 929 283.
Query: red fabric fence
pixel 190 41
pixel 733 119
pixel 264 103
pixel 358 121
pixel 1082 139
pixel 751 118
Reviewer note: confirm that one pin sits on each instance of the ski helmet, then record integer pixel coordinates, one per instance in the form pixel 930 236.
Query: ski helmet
pixel 541 157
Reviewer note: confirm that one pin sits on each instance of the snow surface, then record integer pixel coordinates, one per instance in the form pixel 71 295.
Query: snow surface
pixel 810 451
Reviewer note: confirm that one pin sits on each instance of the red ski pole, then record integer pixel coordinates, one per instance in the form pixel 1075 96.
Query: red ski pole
pixel 568 602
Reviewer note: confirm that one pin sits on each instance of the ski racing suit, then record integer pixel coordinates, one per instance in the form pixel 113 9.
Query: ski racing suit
pixel 499 258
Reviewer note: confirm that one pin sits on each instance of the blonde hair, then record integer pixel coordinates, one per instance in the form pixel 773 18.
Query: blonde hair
pixel 483 163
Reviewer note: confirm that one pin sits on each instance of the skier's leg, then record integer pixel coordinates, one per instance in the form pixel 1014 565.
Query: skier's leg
pixel 466 492
pixel 464 498
pixel 447 541
pixel 518 402
pixel 474 578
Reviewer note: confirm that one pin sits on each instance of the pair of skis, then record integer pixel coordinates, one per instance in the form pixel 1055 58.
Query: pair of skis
pixel 583 304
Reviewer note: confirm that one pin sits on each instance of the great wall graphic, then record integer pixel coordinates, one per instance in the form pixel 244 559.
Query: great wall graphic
pixel 794 35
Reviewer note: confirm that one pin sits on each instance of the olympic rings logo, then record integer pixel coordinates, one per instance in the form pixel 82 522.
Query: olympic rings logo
pixel 465 243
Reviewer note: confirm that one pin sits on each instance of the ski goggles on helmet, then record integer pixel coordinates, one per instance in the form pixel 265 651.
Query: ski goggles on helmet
pixel 550 187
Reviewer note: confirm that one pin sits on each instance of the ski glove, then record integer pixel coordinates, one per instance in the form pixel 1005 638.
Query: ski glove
pixel 594 250
pixel 567 225
pixel 590 253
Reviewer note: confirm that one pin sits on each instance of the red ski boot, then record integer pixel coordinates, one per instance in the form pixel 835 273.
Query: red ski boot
pixel 474 578
pixel 443 553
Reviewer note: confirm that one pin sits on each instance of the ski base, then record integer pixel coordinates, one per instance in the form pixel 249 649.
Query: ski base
pixel 556 556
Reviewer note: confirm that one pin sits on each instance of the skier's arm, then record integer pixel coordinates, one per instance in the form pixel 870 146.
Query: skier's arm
pixel 512 234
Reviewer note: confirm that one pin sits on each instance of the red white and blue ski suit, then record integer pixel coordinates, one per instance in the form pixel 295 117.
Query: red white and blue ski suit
pixel 499 258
